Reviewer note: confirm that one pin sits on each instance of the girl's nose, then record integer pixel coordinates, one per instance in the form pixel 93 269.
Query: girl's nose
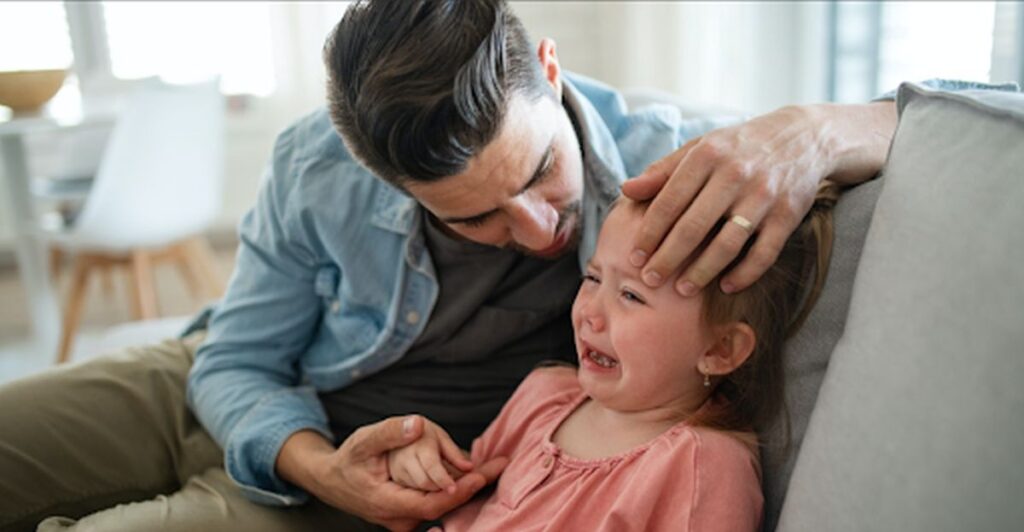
pixel 593 314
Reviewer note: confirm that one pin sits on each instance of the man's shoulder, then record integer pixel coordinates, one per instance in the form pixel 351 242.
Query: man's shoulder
pixel 313 165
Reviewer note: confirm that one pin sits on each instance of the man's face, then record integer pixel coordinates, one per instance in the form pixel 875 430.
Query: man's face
pixel 523 190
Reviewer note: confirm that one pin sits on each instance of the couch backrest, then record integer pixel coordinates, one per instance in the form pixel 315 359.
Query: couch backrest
pixel 807 353
pixel 918 425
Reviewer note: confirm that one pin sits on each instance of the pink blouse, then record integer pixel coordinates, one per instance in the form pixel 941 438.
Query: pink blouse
pixel 686 479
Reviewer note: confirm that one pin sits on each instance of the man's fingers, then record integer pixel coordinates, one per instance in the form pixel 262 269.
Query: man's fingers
pixel 677 196
pixel 761 256
pixel 646 185
pixel 374 440
pixel 689 231
pixel 738 228
pixel 492 468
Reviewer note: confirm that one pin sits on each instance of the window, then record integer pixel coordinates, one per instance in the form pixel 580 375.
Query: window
pixel 39 33
pixel 878 45
pixel 189 41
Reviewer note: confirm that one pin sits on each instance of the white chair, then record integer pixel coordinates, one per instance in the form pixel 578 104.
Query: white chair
pixel 158 186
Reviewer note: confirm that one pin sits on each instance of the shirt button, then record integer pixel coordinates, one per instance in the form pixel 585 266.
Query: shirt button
pixel 356 373
pixel 335 306
pixel 412 317
pixel 547 461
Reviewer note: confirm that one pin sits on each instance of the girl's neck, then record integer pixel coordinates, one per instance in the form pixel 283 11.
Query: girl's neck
pixel 621 431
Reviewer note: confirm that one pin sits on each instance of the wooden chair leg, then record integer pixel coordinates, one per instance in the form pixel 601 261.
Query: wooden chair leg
pixel 73 312
pixel 108 279
pixel 144 288
pixel 180 256
pixel 56 258
pixel 201 261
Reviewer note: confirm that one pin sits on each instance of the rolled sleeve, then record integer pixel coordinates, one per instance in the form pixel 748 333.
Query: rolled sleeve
pixel 245 386
pixel 952 85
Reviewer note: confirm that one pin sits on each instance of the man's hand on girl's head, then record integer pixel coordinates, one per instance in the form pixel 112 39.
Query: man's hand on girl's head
pixel 762 175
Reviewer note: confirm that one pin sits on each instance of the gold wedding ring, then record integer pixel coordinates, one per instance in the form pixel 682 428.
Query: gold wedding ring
pixel 742 222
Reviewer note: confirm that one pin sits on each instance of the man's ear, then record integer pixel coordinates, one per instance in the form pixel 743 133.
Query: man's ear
pixel 549 65
pixel 734 345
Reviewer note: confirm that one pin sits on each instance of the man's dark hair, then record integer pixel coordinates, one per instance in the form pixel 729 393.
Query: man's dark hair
pixel 418 87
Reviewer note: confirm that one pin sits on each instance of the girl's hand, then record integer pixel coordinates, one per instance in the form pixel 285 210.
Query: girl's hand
pixel 432 463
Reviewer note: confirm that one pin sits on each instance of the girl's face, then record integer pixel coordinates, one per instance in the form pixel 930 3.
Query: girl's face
pixel 638 347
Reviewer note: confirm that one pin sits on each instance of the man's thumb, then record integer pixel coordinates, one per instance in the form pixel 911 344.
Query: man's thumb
pixel 386 435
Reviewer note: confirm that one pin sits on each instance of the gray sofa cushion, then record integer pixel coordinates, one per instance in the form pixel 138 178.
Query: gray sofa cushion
pixel 919 424
pixel 807 353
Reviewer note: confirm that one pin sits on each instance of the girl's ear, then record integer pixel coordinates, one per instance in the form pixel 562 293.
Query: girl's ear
pixel 734 346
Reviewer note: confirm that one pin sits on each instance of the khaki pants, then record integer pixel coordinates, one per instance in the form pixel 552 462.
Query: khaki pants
pixel 109 444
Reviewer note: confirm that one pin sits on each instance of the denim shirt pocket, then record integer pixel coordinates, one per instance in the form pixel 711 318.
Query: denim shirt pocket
pixel 325 285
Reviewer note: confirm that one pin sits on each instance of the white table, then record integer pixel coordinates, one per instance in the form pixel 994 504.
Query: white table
pixel 65 113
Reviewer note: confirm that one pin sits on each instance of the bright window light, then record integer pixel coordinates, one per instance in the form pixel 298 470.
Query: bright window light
pixel 33 36
pixel 921 40
pixel 185 42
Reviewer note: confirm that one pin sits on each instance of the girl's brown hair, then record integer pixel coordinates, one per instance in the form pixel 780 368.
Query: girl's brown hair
pixel 775 307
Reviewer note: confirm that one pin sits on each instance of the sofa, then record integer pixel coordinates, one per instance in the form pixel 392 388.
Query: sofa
pixel 905 387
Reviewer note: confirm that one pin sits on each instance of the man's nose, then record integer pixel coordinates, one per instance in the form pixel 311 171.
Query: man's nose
pixel 532 223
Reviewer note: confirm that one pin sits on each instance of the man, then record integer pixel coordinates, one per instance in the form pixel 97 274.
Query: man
pixel 425 263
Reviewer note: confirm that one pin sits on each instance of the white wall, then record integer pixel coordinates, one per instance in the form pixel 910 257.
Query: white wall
pixel 751 57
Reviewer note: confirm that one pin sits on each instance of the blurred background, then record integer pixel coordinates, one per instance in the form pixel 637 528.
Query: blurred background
pixel 748 57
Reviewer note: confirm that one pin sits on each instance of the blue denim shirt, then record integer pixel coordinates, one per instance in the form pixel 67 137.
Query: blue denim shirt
pixel 333 281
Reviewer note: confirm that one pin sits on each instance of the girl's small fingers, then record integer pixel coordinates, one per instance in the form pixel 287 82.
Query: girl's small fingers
pixel 433 469
pixel 420 478
pixel 454 455
pixel 439 475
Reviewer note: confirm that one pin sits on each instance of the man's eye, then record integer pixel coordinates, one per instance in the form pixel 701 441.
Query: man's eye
pixel 474 222
pixel 592 278
pixel 631 297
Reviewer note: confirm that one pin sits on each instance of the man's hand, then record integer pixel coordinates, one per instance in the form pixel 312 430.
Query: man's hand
pixel 424 463
pixel 354 477
pixel 766 172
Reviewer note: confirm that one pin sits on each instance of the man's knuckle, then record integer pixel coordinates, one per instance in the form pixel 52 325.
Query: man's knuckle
pixel 765 194
pixel 736 174
pixel 709 150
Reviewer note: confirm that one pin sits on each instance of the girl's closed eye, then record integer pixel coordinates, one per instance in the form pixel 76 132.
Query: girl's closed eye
pixel 591 278
pixel 632 297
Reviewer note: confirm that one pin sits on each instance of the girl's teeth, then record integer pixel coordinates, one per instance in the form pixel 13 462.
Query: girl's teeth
pixel 602 360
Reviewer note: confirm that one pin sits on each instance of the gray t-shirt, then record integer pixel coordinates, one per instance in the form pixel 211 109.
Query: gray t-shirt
pixel 498 313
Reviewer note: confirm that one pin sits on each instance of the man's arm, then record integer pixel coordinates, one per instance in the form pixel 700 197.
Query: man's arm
pixel 245 383
pixel 246 387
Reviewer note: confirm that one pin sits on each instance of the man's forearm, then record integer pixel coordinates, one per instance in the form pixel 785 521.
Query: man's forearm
pixel 296 461
pixel 857 137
